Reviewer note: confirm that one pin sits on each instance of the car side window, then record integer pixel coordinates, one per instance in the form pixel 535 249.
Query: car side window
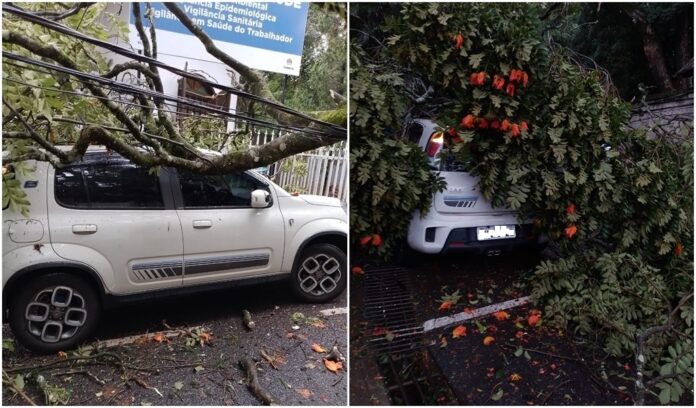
pixel 414 132
pixel 108 186
pixel 224 190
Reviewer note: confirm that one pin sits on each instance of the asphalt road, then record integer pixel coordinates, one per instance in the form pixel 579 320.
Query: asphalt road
pixel 174 373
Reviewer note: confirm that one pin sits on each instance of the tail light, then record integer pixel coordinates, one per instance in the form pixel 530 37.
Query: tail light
pixel 434 144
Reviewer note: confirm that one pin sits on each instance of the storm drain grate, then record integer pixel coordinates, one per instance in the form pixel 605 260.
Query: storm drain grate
pixel 410 375
pixel 389 311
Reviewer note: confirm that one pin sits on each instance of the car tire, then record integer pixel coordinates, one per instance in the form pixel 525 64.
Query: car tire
pixel 320 273
pixel 54 312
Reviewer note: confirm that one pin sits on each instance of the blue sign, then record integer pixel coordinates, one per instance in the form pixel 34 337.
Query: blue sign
pixel 278 26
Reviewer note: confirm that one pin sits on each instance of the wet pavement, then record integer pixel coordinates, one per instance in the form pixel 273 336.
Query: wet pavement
pixel 176 373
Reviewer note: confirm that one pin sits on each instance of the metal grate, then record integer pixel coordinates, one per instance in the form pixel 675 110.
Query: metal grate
pixel 389 311
pixel 410 375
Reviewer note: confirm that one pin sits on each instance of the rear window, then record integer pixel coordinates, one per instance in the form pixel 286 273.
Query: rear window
pixel 97 186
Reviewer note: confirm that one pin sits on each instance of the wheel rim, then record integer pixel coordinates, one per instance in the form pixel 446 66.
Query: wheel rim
pixel 56 314
pixel 319 274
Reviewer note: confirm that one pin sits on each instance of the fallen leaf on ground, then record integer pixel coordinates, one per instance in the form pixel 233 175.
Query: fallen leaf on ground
pixel 446 305
pixel 158 338
pixel 501 315
pixel 519 334
pixel 305 393
pixel 515 377
pixel 488 340
pixel 317 348
pixel 459 331
pixel 357 270
pixel 389 336
pixel 178 385
pixel 62 354
pixel 333 366
pixel 532 320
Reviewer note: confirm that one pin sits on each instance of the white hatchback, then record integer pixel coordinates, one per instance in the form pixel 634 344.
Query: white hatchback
pixel 103 231
pixel 460 219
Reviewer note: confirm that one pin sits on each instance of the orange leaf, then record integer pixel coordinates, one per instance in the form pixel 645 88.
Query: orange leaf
pixel 570 231
pixel 357 270
pixel 501 315
pixel 446 305
pixel 515 377
pixel 317 348
pixel 458 331
pixel 333 366
pixel 364 240
pixel 305 393
pixel 158 338
pixel 532 320
pixel 62 354
pixel 488 340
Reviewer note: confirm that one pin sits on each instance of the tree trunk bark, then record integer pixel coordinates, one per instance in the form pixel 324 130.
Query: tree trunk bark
pixel 651 48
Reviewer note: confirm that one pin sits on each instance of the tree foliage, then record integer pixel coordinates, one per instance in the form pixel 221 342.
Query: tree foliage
pixel 548 138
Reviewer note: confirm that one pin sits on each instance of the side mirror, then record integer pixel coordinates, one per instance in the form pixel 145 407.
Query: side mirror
pixel 260 199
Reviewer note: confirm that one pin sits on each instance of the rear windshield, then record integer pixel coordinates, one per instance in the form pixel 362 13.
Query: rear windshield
pixel 445 161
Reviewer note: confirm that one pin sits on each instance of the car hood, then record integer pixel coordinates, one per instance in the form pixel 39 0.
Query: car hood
pixel 321 200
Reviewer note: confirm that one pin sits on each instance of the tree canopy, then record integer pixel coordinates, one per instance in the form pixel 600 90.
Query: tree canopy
pixel 59 88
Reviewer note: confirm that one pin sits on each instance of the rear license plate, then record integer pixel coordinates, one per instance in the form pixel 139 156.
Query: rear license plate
pixel 495 232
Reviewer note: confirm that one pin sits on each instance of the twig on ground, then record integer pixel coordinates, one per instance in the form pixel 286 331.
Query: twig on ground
pixel 84 372
pixel 253 382
pixel 8 381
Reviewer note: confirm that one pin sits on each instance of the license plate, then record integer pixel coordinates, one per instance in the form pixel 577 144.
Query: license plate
pixel 495 232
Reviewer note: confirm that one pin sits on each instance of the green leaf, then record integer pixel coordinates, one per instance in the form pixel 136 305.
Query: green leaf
pixel 178 385
pixel 19 382
pixel 498 395
pixel 665 395
pixel 519 352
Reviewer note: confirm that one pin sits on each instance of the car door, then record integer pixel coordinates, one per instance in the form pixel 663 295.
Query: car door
pixel 224 237
pixel 119 219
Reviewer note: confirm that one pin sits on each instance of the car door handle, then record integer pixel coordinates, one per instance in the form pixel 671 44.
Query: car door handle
pixel 84 229
pixel 202 224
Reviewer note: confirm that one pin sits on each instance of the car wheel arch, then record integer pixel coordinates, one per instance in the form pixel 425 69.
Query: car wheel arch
pixel 31 272
pixel 336 238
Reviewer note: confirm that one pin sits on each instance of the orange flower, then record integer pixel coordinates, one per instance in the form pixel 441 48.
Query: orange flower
pixel 504 126
pixel 515 377
pixel 515 130
pixel 364 240
pixel 452 132
pixel 446 305
pixel 523 126
pixel 459 331
pixel 514 75
pixel 458 41
pixel 510 90
pixel 570 231
pixel 570 209
pixel 357 270
pixel 678 249
pixel 501 315
pixel 477 78
pixel 376 240
pixel 467 122
pixel 498 82
pixel 488 340
pixel 483 123
pixel 525 79
pixel 495 124
pixel 532 320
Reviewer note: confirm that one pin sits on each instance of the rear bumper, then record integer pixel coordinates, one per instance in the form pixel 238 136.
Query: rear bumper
pixel 465 240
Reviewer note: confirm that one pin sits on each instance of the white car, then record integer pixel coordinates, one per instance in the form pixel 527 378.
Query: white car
pixel 460 219
pixel 103 232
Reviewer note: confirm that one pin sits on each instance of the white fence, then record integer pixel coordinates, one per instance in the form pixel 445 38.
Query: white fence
pixel 323 171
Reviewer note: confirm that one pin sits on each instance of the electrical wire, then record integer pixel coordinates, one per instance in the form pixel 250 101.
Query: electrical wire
pixel 120 101
pixel 130 89
pixel 142 58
